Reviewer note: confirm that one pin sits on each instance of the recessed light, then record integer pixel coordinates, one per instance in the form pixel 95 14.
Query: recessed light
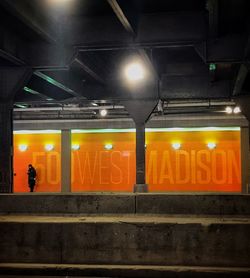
pixel 75 147
pixel 103 112
pixel 211 145
pixel 108 147
pixel 237 110
pixel 23 147
pixel 229 110
pixel 176 146
pixel 134 71
pixel 49 147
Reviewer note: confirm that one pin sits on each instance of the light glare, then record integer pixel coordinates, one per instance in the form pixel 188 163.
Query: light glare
pixel 108 147
pixel 103 112
pixel 229 110
pixel 49 147
pixel 211 145
pixel 134 72
pixel 23 147
pixel 237 110
pixel 58 2
pixel 75 147
pixel 176 146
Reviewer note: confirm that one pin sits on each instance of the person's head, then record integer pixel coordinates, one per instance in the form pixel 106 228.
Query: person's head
pixel 30 165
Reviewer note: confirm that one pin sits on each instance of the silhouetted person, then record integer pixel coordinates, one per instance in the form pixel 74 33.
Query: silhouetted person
pixel 31 177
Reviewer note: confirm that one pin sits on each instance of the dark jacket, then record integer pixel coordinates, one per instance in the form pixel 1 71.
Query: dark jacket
pixel 31 175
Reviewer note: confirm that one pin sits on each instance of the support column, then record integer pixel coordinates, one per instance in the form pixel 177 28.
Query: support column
pixel 245 167
pixel 12 80
pixel 140 185
pixel 66 161
pixel 244 103
pixel 6 148
pixel 140 110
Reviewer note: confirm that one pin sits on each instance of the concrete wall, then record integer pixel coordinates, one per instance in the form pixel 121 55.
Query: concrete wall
pixel 67 204
pixel 128 242
pixel 195 204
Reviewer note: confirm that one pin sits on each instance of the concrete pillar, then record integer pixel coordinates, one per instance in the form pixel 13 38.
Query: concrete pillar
pixel 12 80
pixel 6 148
pixel 66 161
pixel 140 185
pixel 140 111
pixel 245 175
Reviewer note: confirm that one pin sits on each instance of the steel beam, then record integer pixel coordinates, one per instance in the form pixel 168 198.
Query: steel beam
pixel 121 16
pixel 55 83
pixel 127 24
pixel 243 71
pixel 213 9
pixel 37 23
pixel 88 70
pixel 240 79
pixel 42 56
pixel 196 87
pixel 160 29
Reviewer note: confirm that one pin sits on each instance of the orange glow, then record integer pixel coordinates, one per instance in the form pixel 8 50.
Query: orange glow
pixel 47 164
pixel 193 167
pixel 95 168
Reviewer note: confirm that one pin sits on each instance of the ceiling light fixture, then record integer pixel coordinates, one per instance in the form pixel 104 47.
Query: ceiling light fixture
pixel 134 72
pixel 103 112
pixel 229 110
pixel 237 110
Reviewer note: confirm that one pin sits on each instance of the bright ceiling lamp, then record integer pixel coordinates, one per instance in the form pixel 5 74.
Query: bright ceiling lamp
pixel 176 146
pixel 58 2
pixel 108 147
pixel 134 71
pixel 237 110
pixel 75 147
pixel 49 147
pixel 229 110
pixel 211 145
pixel 103 112
pixel 23 147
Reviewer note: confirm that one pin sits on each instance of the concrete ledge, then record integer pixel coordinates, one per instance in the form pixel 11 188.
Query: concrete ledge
pixel 130 271
pixel 67 203
pixel 129 241
pixel 127 203
pixel 199 204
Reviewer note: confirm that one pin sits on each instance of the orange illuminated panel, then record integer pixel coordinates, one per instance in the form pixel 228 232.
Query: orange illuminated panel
pixel 96 168
pixel 30 149
pixel 188 160
pixel 194 167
